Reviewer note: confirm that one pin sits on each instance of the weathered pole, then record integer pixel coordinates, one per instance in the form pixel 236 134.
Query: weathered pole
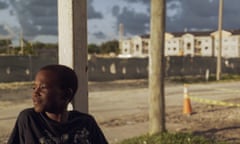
pixel 72 40
pixel 219 56
pixel 156 68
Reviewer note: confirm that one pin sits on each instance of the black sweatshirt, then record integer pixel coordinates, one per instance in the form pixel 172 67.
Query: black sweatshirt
pixel 36 128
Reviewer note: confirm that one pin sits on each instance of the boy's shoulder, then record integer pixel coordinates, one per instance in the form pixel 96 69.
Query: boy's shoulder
pixel 28 112
pixel 80 115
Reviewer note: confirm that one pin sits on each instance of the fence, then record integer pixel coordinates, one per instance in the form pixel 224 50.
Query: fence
pixel 23 68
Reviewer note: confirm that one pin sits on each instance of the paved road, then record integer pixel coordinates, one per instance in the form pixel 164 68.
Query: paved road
pixel 111 104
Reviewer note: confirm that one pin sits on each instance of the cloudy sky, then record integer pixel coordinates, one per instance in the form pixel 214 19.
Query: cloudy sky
pixel 37 19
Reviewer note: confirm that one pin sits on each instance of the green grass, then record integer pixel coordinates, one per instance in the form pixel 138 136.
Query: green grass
pixel 170 138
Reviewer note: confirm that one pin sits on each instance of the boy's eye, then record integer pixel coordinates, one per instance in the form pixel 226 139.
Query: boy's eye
pixel 41 86
pixel 34 86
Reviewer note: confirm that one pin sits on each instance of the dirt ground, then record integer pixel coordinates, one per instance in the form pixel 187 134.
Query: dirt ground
pixel 213 122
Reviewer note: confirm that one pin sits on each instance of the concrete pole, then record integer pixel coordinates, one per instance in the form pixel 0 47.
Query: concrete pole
pixel 72 40
pixel 156 68
pixel 219 61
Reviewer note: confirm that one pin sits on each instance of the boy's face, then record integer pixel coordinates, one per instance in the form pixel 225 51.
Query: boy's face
pixel 47 95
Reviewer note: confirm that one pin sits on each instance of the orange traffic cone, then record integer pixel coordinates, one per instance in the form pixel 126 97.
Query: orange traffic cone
pixel 187 108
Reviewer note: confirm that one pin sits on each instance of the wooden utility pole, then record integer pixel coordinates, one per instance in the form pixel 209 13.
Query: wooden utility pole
pixel 72 40
pixel 156 68
pixel 219 56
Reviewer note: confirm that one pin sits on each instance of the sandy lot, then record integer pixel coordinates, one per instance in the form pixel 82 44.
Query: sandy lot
pixel 123 116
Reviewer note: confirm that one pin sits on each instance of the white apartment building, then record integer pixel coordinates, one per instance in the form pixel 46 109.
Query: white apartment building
pixel 203 46
pixel 126 47
pixel 230 43
pixel 138 46
pixel 187 43
pixel 173 45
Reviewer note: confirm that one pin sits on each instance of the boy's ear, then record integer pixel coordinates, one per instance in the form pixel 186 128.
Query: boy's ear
pixel 68 93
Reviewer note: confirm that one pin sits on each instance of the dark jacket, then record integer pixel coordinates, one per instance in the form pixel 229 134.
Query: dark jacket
pixel 36 128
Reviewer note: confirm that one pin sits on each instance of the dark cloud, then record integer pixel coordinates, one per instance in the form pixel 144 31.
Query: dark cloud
pixel 181 15
pixel 231 13
pixel 140 1
pixel 36 17
pixel 204 15
pixel 194 15
pixel 3 31
pixel 3 5
pixel 115 10
pixel 134 23
pixel 92 13
pixel 39 17
pixel 99 35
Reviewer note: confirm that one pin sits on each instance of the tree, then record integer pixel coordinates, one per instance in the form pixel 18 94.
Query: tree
pixel 4 43
pixel 93 49
pixel 110 47
pixel 4 46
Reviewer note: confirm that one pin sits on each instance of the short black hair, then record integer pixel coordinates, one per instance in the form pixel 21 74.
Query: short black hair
pixel 66 76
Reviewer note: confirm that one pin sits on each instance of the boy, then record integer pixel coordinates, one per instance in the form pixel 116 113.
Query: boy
pixel 49 122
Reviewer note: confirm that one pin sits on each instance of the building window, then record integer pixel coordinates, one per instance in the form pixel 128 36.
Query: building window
pixel 188 46
pixel 198 51
pixel 137 47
